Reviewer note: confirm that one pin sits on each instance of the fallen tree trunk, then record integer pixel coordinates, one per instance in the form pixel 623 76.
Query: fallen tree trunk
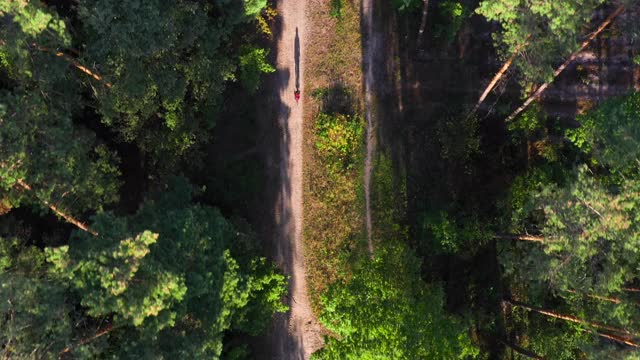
pixel 562 67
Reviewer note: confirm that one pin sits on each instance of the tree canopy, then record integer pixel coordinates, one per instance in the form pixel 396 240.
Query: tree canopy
pixel 551 30
pixel 150 286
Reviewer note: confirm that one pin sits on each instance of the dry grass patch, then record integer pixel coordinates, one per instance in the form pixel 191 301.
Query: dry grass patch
pixel 333 206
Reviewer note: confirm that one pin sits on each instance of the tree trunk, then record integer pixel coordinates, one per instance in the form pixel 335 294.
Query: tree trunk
pixel 599 297
pixel 100 333
pixel 533 238
pixel 423 23
pixel 568 317
pixel 70 219
pixel 562 67
pixel 619 339
pixel 73 62
pixel 522 351
pixel 500 74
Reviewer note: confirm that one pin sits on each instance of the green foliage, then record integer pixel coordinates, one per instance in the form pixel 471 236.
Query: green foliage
pixel 611 133
pixel 253 63
pixel 151 285
pixel 181 274
pixel 453 237
pixel 175 278
pixel 529 123
pixel 550 338
pixel 336 8
pixel 27 23
pixel 590 242
pixel 591 233
pixel 254 7
pixel 555 28
pixel 75 175
pixel 30 327
pixel 36 119
pixel 458 140
pixel 406 5
pixel 168 62
pixel 520 203
pixel 338 140
pixel 386 311
pixel 453 14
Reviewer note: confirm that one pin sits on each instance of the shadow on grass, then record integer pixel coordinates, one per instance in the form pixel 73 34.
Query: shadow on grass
pixel 336 99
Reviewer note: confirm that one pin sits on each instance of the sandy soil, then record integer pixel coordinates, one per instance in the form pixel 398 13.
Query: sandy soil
pixel 297 333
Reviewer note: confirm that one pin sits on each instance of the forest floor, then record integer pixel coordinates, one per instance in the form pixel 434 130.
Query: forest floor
pixel 297 333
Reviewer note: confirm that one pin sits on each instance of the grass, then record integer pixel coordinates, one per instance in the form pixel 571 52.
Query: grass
pixel 333 175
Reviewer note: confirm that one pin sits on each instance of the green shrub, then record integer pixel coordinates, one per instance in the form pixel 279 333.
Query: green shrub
pixel 451 236
pixel 453 14
pixel 336 8
pixel 406 5
pixel 386 311
pixel 253 63
pixel 338 140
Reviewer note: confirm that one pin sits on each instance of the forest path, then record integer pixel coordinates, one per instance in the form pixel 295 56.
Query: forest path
pixel 297 333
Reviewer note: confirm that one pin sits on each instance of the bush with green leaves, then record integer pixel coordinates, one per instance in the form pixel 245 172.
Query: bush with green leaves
pixel 448 235
pixel 253 63
pixel 385 310
pixel 451 16
pixel 339 140
pixel 611 132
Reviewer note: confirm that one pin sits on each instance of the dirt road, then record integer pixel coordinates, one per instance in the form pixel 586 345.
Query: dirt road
pixel 296 334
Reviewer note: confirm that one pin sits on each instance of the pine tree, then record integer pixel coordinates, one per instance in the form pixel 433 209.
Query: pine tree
pixel 38 162
pixel 167 269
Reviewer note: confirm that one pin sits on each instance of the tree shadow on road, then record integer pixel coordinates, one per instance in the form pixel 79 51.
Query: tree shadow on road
pixel 276 224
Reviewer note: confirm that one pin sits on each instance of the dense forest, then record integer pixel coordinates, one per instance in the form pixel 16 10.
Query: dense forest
pixel 471 179
pixel 118 239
